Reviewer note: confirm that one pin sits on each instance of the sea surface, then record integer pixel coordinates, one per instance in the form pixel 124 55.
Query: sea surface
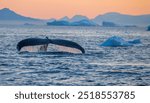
pixel 99 66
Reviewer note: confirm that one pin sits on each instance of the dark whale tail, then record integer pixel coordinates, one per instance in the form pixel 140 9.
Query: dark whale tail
pixel 38 41
pixel 67 43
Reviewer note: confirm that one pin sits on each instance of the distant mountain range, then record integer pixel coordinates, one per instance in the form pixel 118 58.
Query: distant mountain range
pixel 117 18
pixel 122 19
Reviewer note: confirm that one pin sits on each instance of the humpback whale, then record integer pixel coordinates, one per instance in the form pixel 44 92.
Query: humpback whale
pixel 42 44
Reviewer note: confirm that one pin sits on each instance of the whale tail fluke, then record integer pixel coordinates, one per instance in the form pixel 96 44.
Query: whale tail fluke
pixel 38 45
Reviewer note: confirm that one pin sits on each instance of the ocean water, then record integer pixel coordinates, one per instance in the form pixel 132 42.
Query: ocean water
pixel 99 66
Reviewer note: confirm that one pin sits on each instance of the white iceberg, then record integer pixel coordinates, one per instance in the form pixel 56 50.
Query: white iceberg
pixel 117 41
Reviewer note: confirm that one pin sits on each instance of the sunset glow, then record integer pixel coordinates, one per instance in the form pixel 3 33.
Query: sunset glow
pixel 58 8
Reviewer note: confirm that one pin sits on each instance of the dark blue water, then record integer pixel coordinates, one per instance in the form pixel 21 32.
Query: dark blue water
pixel 97 67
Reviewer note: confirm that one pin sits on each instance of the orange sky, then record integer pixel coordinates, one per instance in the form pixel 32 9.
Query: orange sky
pixel 58 8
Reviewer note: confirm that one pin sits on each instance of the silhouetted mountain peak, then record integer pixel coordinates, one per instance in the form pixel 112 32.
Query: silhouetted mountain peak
pixel 5 9
pixel 7 14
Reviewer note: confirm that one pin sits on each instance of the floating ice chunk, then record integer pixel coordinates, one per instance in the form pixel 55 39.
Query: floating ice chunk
pixel 116 41
pixel 135 41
